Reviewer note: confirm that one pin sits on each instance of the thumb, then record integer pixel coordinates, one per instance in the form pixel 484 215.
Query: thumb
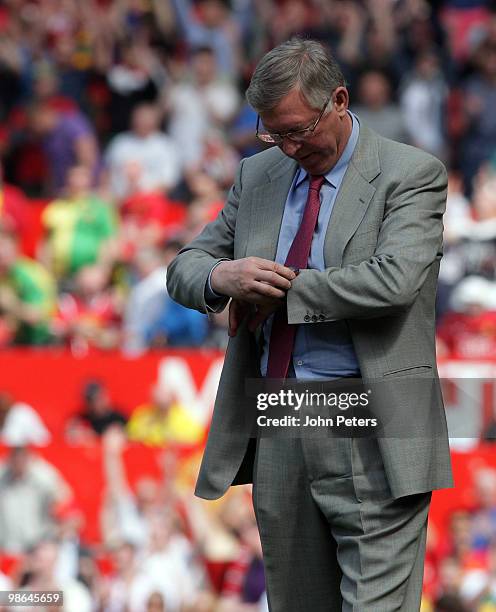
pixel 237 313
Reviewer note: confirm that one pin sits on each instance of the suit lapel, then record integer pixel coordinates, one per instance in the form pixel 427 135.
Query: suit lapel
pixel 353 198
pixel 267 209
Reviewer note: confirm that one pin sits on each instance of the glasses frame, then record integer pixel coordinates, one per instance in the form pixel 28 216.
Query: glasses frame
pixel 278 138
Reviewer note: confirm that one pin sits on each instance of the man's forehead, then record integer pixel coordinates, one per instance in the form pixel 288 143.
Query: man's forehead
pixel 291 112
pixel 283 119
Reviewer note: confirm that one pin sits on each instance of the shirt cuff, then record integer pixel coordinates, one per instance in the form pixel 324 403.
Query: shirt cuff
pixel 214 301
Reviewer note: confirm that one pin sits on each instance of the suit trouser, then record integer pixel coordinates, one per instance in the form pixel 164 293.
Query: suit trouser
pixel 333 537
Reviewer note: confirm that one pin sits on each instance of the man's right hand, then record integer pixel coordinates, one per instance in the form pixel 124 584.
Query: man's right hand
pixel 252 279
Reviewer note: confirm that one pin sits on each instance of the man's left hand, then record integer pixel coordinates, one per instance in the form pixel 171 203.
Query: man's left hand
pixel 263 312
pixel 239 310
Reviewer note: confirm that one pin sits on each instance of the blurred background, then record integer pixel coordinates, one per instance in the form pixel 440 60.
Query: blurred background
pixel 121 126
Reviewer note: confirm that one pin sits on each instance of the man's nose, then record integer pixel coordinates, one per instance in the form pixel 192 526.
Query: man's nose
pixel 290 147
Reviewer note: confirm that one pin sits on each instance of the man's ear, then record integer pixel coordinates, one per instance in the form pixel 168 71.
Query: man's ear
pixel 341 100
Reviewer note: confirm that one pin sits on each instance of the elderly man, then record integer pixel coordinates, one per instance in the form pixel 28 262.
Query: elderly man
pixel 329 247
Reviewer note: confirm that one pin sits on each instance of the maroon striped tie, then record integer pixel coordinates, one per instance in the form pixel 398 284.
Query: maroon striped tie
pixel 282 335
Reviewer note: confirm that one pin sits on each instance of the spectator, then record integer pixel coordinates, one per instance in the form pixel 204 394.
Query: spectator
pixel 206 191
pixel 245 581
pixel 460 542
pixel 80 227
pixel 69 521
pixel 213 26
pixel 170 561
pixel 479 98
pixel 129 588
pixel 126 514
pixel 339 24
pixel 133 80
pixel 457 219
pixel 46 87
pixel 95 416
pixel 147 145
pixel 72 63
pixel 478 588
pixel 146 216
pixel 469 331
pixel 483 521
pixel 198 105
pixel 217 533
pixel 376 108
pixel 163 421
pixel 465 23
pixel 484 204
pixel 380 48
pixel 175 326
pixel 27 296
pixel 89 316
pixel 40 576
pixel 151 317
pixel 219 159
pixel 242 135
pixel 29 489
pixel 90 575
pixel 20 424
pixel 423 102
pixel 146 299
pixel 68 140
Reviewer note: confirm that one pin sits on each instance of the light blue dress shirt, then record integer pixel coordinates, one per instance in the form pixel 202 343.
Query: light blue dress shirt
pixel 321 350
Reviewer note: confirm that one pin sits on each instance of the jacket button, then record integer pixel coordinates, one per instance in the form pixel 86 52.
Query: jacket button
pixel 306 318
pixel 314 318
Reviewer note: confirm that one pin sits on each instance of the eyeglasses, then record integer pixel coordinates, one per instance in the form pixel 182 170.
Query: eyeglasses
pixel 295 135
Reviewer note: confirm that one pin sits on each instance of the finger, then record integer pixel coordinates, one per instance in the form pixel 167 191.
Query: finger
pixel 267 291
pixel 283 271
pixel 237 312
pixel 274 279
pixel 252 290
pixel 233 319
pixel 273 266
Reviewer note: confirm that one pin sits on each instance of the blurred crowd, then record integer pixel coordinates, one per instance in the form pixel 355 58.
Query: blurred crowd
pixel 460 568
pixel 162 550
pixel 122 122
pixel 156 548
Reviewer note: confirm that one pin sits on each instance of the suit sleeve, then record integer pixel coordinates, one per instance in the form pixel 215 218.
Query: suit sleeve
pixel 409 242
pixel 188 273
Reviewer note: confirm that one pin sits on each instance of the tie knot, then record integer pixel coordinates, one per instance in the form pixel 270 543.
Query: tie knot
pixel 316 182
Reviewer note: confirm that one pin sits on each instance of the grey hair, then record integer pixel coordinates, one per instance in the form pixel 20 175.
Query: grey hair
pixel 305 64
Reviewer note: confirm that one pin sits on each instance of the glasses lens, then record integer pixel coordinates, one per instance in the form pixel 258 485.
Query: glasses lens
pixel 266 137
pixel 299 136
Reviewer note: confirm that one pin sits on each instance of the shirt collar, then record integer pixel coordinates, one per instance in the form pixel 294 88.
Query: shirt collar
pixel 336 173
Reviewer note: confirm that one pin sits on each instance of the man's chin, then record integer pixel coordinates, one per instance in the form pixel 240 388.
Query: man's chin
pixel 314 164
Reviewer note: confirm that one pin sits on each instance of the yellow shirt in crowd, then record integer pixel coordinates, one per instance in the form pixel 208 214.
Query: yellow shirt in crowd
pixel 155 427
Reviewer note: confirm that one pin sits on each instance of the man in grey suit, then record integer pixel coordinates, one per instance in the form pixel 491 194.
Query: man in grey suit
pixel 328 247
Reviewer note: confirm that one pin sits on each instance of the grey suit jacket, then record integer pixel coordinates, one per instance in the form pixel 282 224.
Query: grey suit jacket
pixel 382 251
